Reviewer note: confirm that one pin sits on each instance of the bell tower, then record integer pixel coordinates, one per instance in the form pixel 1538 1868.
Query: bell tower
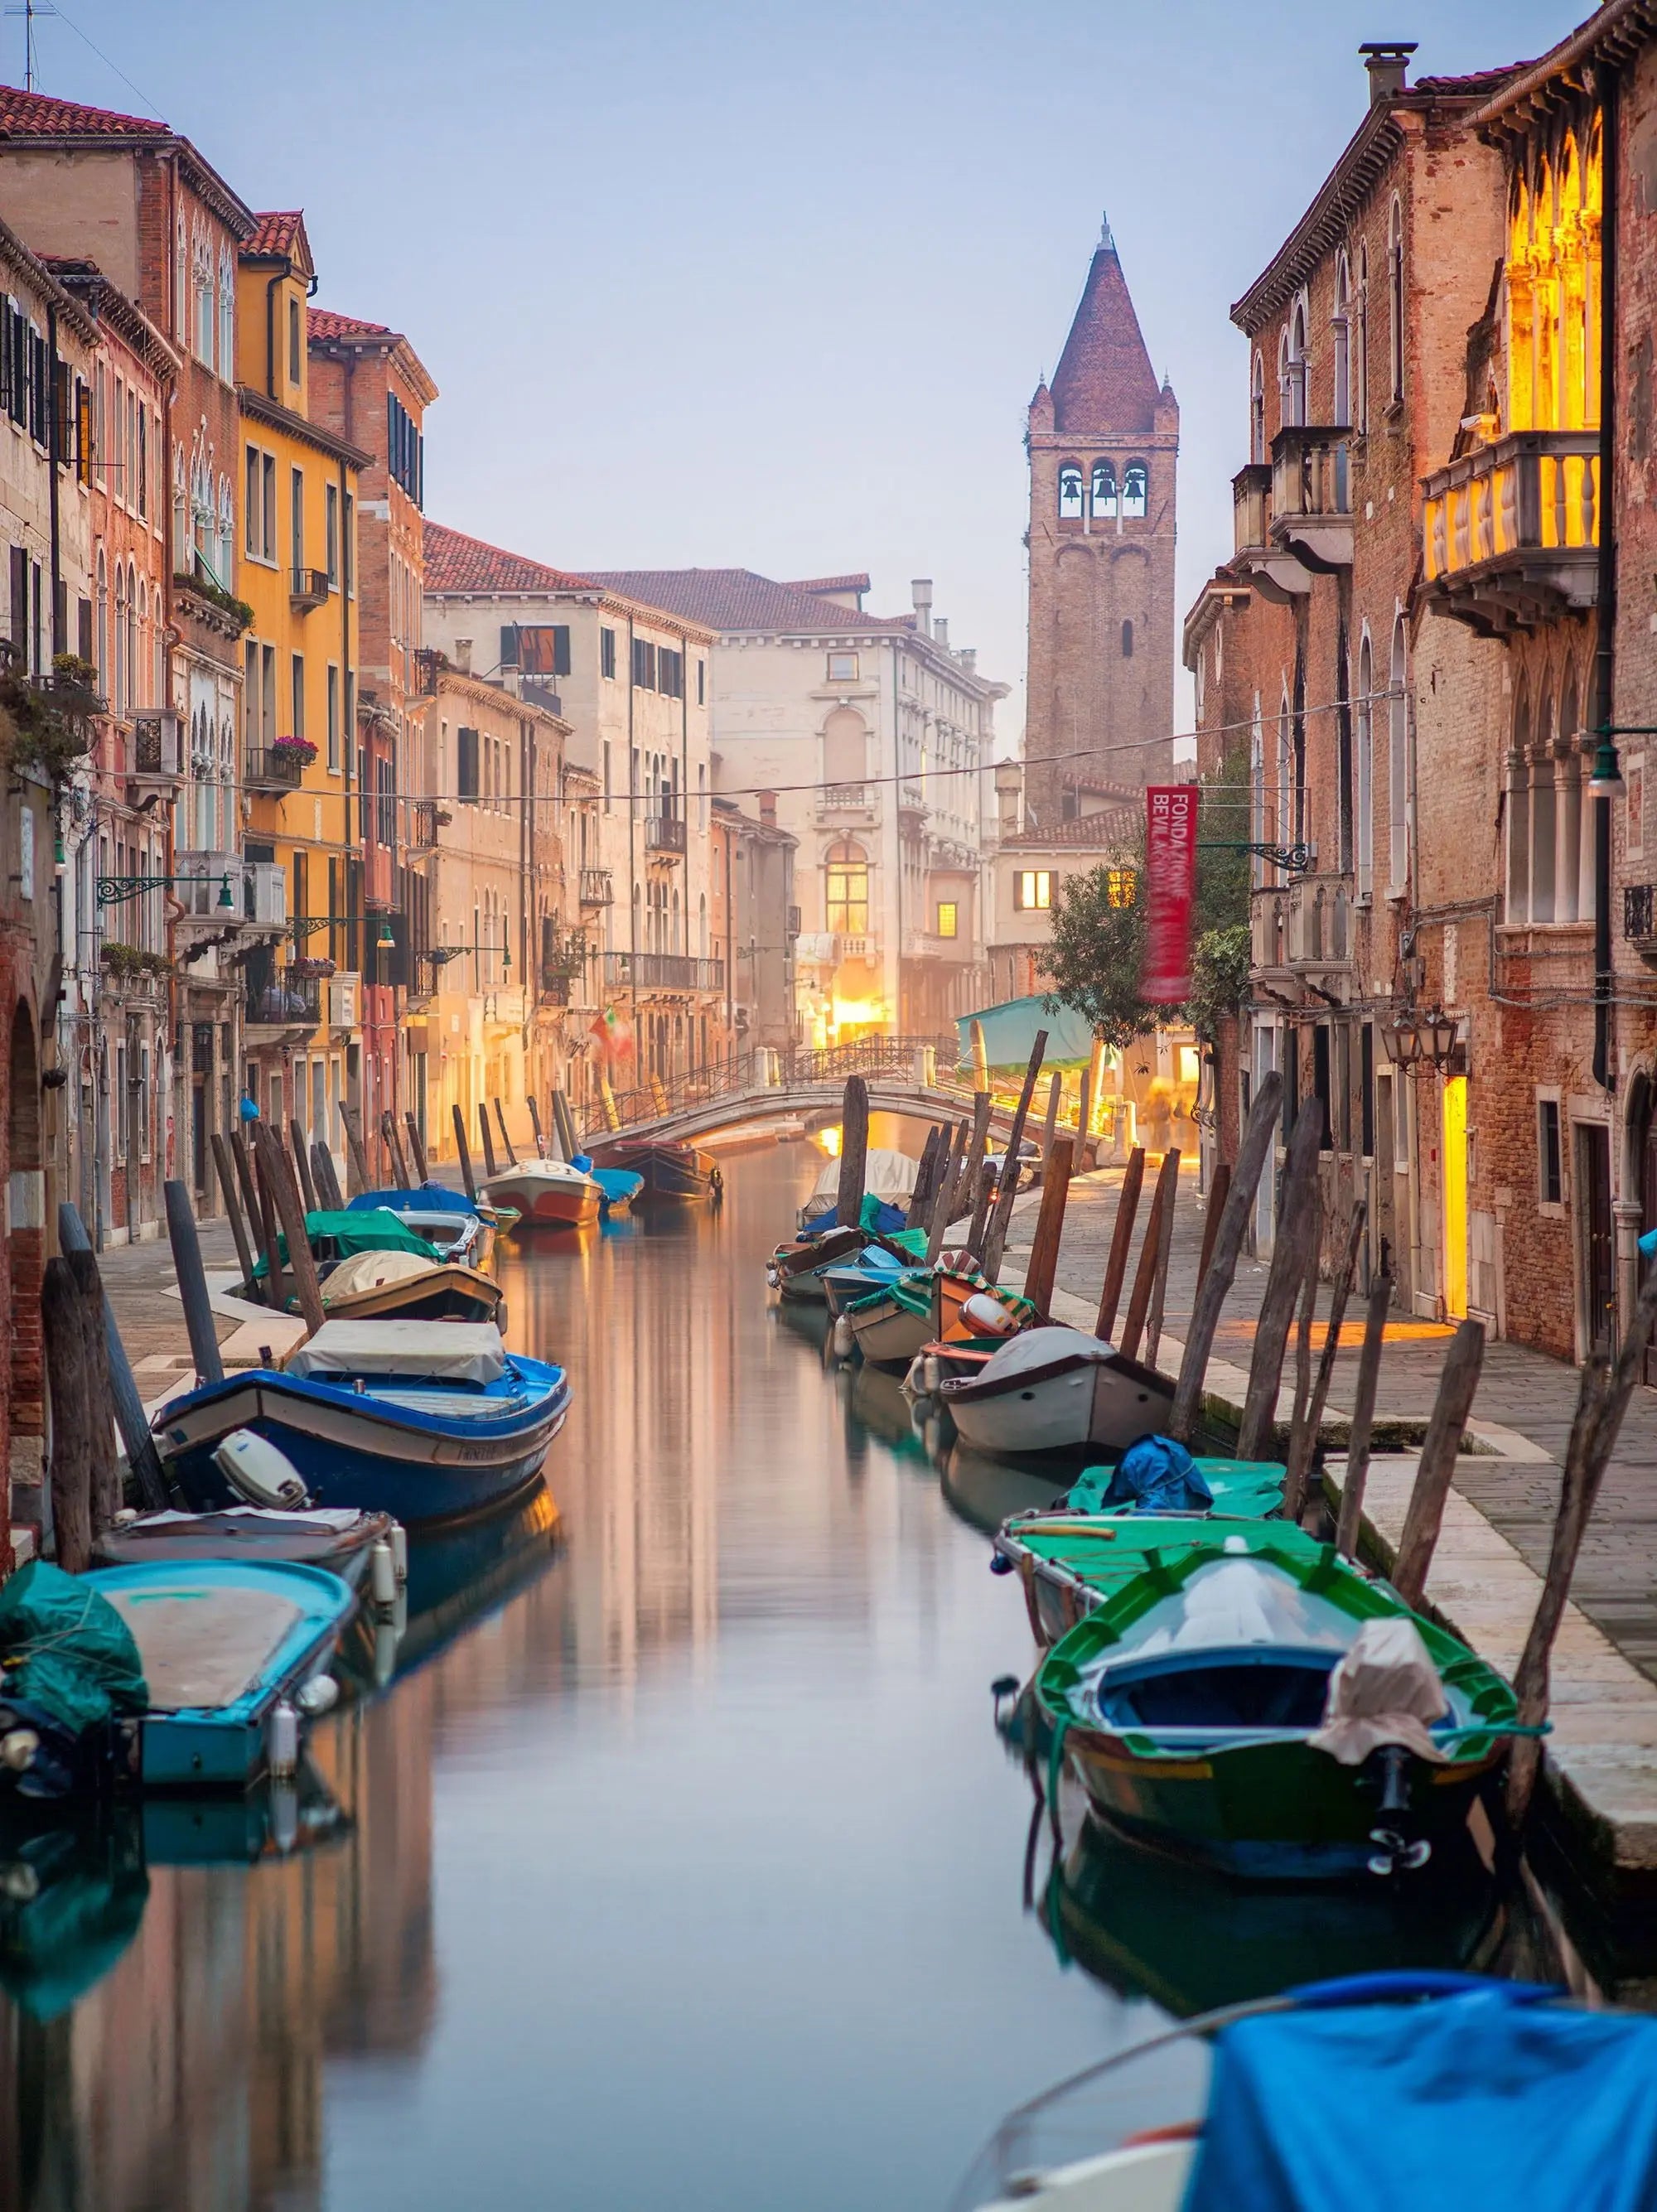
pixel 1103 440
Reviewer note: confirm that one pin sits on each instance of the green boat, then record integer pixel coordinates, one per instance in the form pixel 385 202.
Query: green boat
pixel 1070 1556
pixel 1191 1703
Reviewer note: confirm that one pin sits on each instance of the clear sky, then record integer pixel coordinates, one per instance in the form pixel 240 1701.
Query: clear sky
pixel 727 283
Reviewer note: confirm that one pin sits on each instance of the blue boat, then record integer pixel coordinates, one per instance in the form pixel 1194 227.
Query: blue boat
pixel 1428 2089
pixel 461 1229
pixel 620 1186
pixel 195 1674
pixel 429 1421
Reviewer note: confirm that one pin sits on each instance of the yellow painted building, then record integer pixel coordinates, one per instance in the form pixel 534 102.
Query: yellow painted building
pixel 301 1015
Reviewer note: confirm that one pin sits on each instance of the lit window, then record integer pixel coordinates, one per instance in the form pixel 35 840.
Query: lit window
pixel 1120 885
pixel 1070 493
pixel 946 918
pixel 1032 889
pixel 847 868
pixel 1135 487
pixel 842 668
pixel 1104 488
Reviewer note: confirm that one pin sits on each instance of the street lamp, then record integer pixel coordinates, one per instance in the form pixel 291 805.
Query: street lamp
pixel 115 890
pixel 1606 777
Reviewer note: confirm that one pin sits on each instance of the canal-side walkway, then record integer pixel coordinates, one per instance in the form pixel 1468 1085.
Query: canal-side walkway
pixel 1486 1573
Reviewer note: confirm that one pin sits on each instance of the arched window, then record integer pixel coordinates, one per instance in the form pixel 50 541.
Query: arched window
pixel 101 636
pixel 845 747
pixel 1397 762
pixel 1260 819
pixel 846 867
pixel 1361 394
pixel 226 315
pixel 1070 493
pixel 1257 413
pixel 1395 298
pixel 227 533
pixel 180 287
pixel 120 694
pixel 1127 641
pixel 1569 873
pixel 1135 486
pixel 1104 491
pixel 1340 326
pixel 1544 813
pixel 1293 358
pixel 133 676
pixel 1365 774
pixel 180 515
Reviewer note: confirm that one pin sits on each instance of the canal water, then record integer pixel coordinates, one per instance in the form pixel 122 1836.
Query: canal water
pixel 676 1862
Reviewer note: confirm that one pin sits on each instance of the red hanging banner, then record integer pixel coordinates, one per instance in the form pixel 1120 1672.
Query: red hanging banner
pixel 1170 888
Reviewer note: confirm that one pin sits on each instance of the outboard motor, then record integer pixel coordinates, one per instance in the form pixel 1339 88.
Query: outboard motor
pixel 259 1474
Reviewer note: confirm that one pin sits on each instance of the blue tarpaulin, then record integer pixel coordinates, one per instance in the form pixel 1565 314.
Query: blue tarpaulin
pixel 1157 1474
pixel 1009 1034
pixel 1474 2101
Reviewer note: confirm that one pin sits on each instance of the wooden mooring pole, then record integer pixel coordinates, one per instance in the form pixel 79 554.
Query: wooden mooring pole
pixel 853 1152
pixel 1049 1226
pixel 1350 1525
pixel 353 1120
pixel 72 1416
pixel 227 1173
pixel 141 1453
pixel 325 1177
pixel 279 1179
pixel 1122 1241
pixel 1144 1276
pixel 1436 1470
pixel 505 1141
pixel 488 1141
pixel 1300 1462
pixel 302 1165
pixel 193 1283
pixel 1252 1156
pixel 464 1152
pixel 1291 1254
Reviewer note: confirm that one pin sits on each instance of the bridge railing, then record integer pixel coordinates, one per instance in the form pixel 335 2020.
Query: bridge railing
pixel 782 1070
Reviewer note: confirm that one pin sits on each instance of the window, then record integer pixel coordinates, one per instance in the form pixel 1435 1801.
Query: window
pixel 144 462
pixel 1135 488
pixel 330 531
pixel 1291 360
pixel 1104 491
pixel 607 654
pixel 1550 1157
pixel 607 767
pixel 845 748
pixel 1395 298
pixel 702 683
pixel 1070 493
pixel 268 507
pixel 1398 767
pixel 1257 413
pixel 1365 773
pixel 1032 891
pixel 670 673
pixel 405 449
pixel 466 763
pixel 348 556
pixel 333 720
pixel 299 694
pixel 293 340
pixel 296 522
pixel 848 886
pixel 1127 641
pixel 842 668
pixel 946 917
pixel 644 665
pixel 226 315
pixel 1340 324
pixel 1361 408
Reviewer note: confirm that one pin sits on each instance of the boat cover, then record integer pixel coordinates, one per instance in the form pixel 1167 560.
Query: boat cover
pixel 1482 2099
pixel 375 1229
pixel 1384 1690
pixel 65 1649
pixel 203 1649
pixel 366 1271
pixel 434 1351
pixel 1033 1351
pixel 1231 1604
pixel 1009 1034
pixel 424 1198
pixel 1155 1475
pixel 889 1174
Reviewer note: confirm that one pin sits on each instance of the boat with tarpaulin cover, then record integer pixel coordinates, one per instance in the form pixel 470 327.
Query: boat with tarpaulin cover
pixel 1055 1389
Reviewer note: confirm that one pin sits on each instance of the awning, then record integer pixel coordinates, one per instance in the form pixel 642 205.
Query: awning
pixel 1009 1034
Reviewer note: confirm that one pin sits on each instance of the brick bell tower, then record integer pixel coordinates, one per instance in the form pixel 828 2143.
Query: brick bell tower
pixel 1103 442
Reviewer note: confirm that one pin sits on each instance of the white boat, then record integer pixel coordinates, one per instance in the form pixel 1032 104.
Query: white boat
pixel 1056 1389
pixel 547 1194
pixel 886 1175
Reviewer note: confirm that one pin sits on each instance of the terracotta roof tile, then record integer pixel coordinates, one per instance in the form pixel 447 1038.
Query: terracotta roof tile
pixel 35 115
pixel 1474 84
pixel 323 322
pixel 857 580
pixel 738 599
pixel 1104 380
pixel 455 563
pixel 275 233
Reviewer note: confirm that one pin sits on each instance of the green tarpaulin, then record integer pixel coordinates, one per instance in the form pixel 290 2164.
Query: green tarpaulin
pixel 65 1649
pixel 1009 1034
pixel 337 1236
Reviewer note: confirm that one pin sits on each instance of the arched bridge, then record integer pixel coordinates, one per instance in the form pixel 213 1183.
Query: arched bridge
pixel 905 1075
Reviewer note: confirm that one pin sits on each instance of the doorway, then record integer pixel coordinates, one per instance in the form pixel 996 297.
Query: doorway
pixel 1455 1196
pixel 1597 1237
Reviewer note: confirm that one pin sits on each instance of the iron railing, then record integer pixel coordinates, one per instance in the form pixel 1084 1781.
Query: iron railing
pixel 780 1070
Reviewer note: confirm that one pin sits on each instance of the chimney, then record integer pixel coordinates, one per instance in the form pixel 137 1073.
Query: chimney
pixel 1008 790
pixel 463 655
pixel 921 593
pixel 768 801
pixel 969 659
pixel 1387 61
pixel 941 632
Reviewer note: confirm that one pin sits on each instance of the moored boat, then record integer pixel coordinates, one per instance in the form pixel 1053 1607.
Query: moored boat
pixel 547 1194
pixel 1267 1709
pixel 888 1175
pixel 619 1187
pixel 668 1171
pixel 446 1219
pixel 430 1421
pixel 387 1286
pixel 342 1542
pixel 1056 1389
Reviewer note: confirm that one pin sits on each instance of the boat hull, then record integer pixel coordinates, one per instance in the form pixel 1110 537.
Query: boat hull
pixel 1103 1406
pixel 672 1173
pixel 889 1334
pixel 548 1201
pixel 448 1293
pixel 352 1451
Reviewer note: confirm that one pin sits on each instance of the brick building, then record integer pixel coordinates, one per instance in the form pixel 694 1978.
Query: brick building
pixel 1103 439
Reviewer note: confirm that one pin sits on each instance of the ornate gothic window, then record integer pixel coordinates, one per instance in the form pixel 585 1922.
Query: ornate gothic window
pixel 226 568
pixel 101 636
pixel 201 267
pixel 182 286
pixel 180 515
pixel 227 314
pixel 846 867
pixel 1135 489
pixel 1360 411
pixel 1397 765
pixel 1340 327
pixel 1070 493
pixel 1104 491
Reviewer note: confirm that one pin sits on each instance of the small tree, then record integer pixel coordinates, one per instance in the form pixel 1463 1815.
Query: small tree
pixel 1098 949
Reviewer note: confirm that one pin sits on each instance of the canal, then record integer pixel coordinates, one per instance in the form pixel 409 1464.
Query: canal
pixel 679 1862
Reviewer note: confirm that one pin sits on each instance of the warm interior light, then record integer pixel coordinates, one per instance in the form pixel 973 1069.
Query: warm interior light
pixel 831 1138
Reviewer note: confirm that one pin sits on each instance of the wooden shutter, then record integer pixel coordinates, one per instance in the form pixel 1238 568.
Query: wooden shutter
pixel 84 628
pixel 20 599
pixel 561 649
pixel 508 645
pixel 466 763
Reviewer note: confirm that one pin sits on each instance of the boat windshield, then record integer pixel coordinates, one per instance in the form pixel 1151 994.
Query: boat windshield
pixel 1232 1603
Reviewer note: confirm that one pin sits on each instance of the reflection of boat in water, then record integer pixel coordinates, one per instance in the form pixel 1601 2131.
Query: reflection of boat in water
pixel 876 1400
pixel 811 1323
pixel 1190 1939
pixel 73 1887
pixel 456 1577
pixel 985 1491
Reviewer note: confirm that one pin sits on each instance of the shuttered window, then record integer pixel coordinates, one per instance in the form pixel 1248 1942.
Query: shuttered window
pixel 466 763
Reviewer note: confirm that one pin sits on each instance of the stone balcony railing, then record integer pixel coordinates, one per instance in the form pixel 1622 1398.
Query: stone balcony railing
pixel 1512 530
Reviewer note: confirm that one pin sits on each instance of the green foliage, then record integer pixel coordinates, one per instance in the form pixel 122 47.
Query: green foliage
pixel 126 962
pixel 216 596
pixel 44 731
pixel 1098 946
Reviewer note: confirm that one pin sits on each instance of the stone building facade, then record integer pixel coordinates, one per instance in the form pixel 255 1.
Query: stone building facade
pixel 1103 442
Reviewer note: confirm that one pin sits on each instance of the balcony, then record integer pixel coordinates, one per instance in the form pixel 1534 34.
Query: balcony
pixel 273 768
pixel 278 999
pixel 1312 496
pixel 1512 530
pixel 1269 922
pixel 1319 929
pixel 1279 575
pixel 665 835
pixel 1640 919
pixel 157 751
pixel 554 988
pixel 596 888
pixel 199 884
pixel 843 799
pixel 308 588
pixel 925 945
pixel 425 819
pixel 662 971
